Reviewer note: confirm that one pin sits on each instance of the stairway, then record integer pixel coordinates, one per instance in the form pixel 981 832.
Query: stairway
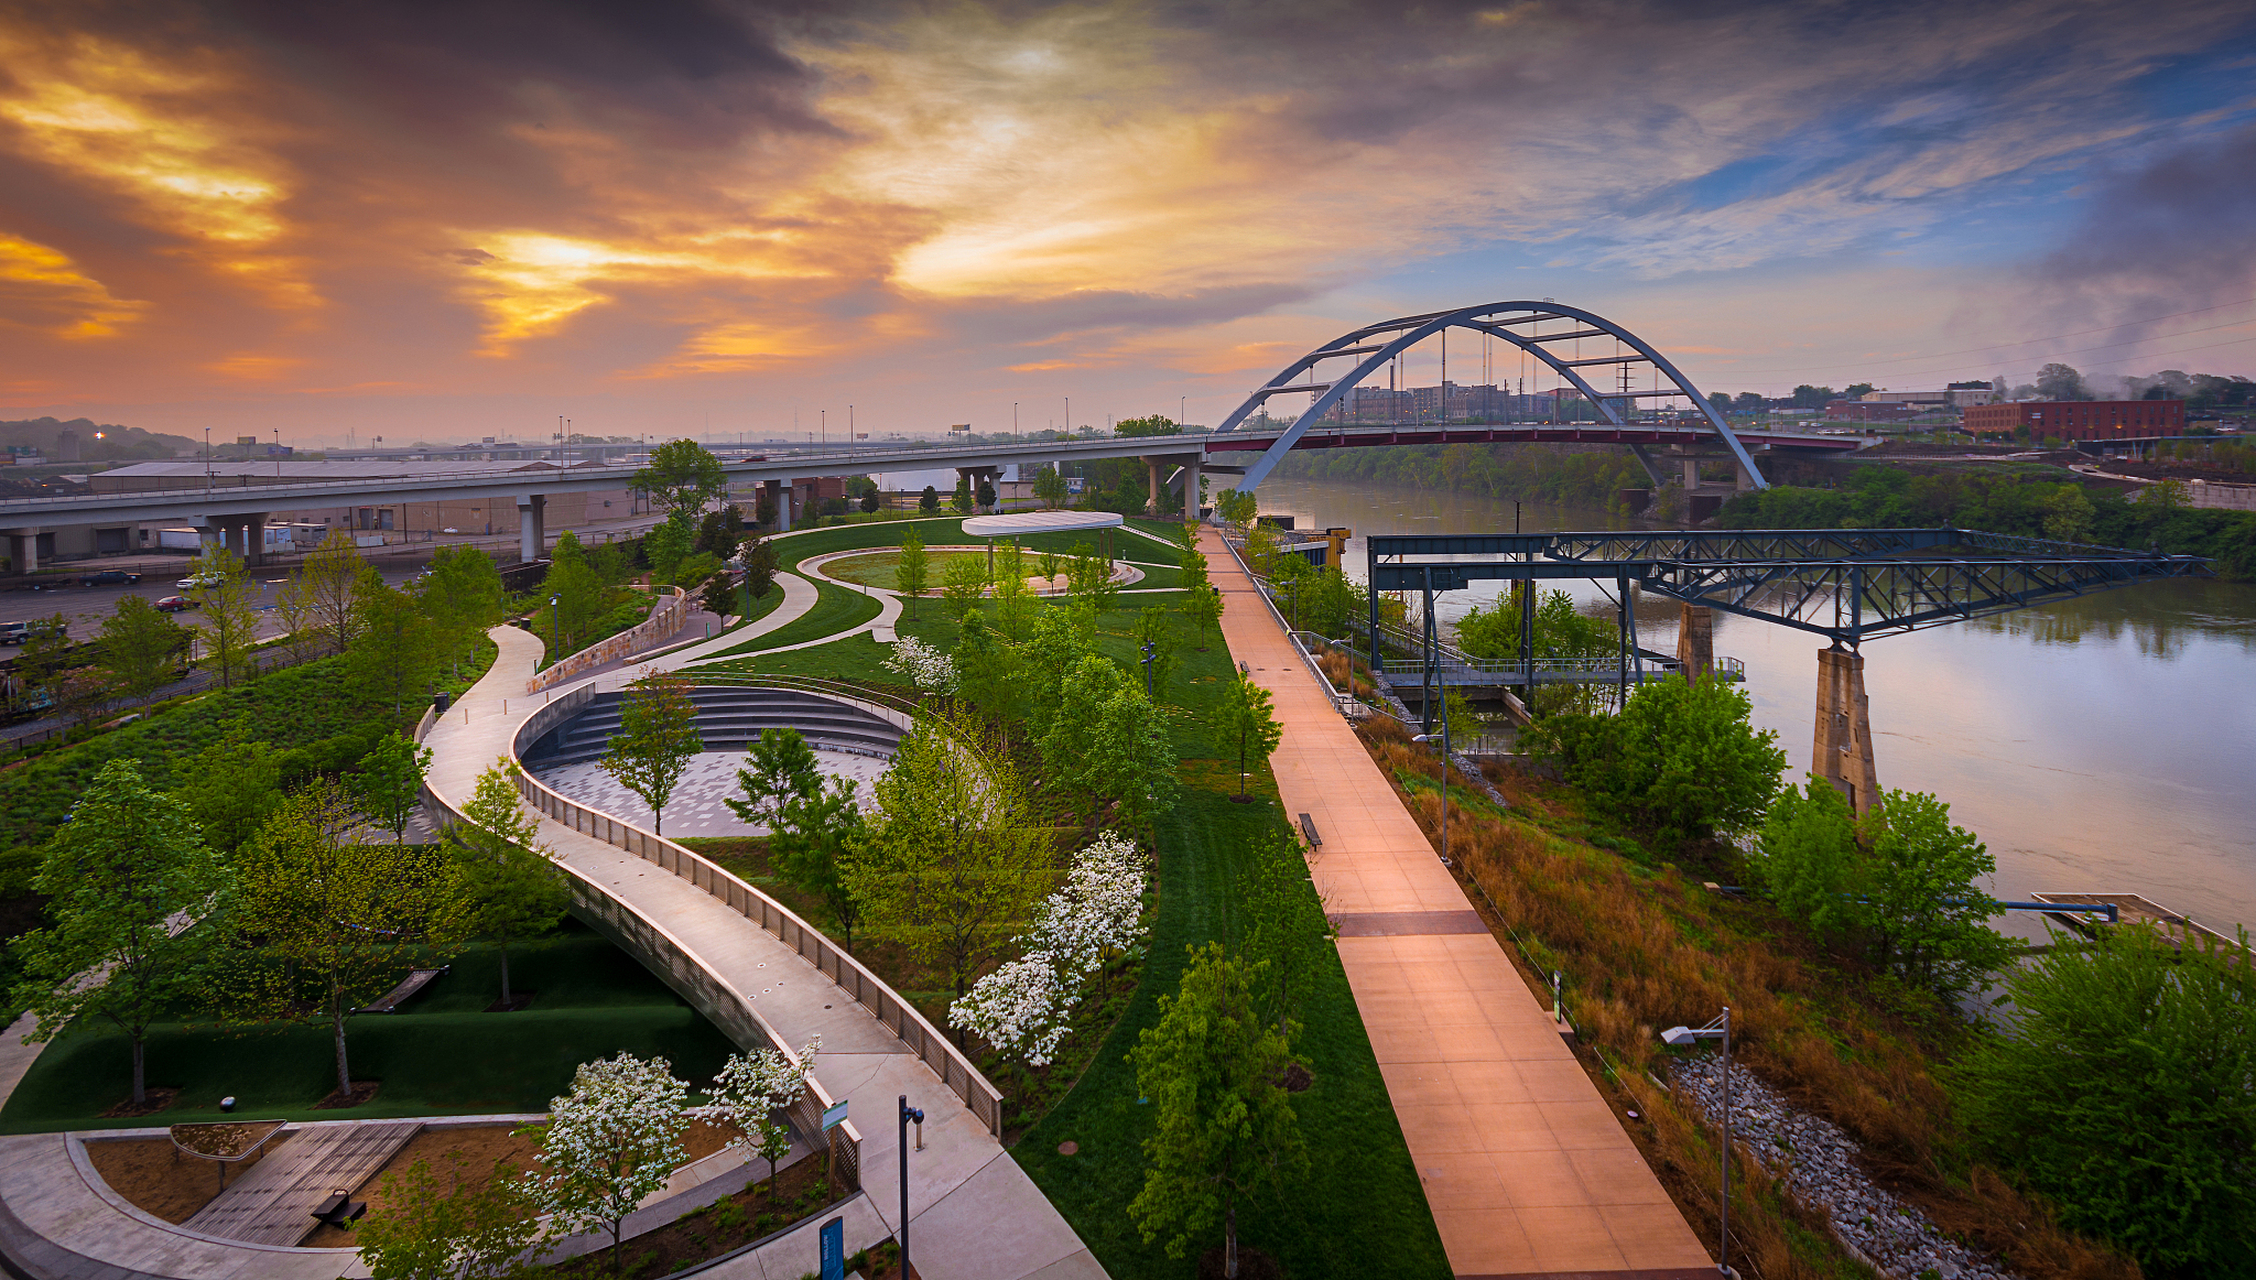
pixel 729 718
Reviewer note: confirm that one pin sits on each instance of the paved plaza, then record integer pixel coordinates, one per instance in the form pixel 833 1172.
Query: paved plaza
pixel 696 808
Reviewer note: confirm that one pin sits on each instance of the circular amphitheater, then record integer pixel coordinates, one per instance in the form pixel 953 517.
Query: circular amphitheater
pixel 849 742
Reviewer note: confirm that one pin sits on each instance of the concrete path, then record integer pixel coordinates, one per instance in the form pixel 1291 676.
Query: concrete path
pixel 1524 1166
pixel 974 1214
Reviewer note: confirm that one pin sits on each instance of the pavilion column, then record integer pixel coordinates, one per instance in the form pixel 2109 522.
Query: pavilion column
pixel 1842 751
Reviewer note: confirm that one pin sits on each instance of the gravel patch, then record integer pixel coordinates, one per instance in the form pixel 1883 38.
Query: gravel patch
pixel 1817 1162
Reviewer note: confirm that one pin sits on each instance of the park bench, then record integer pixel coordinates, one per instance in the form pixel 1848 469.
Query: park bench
pixel 415 981
pixel 1308 828
pixel 339 1209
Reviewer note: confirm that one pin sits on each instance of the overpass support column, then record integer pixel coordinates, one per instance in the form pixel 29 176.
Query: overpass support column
pixel 772 492
pixel 1695 641
pixel 1741 479
pixel 254 539
pixel 1842 752
pixel 23 550
pixel 1152 466
pixel 532 534
pixel 1192 504
pixel 1691 474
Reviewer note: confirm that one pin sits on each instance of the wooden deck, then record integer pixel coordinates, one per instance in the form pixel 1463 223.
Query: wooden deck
pixel 273 1203
pixel 2131 908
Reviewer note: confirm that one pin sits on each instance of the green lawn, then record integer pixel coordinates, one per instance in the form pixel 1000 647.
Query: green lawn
pixel 1359 1209
pixel 836 609
pixel 879 568
pixel 443 1056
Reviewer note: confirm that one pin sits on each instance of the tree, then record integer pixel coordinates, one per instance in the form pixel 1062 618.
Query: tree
pixel 294 614
pixel 1023 1008
pixel 461 595
pixel 1201 601
pixel 230 787
pixel 1681 758
pixel 780 768
pixel 963 580
pixel 1155 632
pixel 1809 397
pixel 139 647
pixel 2120 1092
pixel 2062 382
pixel 961 501
pixel 986 668
pixel 577 593
pixel 609 1144
pixel 331 578
pixel 1856 391
pixel 718 531
pixel 1089 577
pixel 1013 602
pixel 1155 425
pixel 813 837
pixel 667 545
pixel 435 1227
pixel 952 861
pixel 760 568
pixel 1929 918
pixel 130 879
pixel 513 892
pixel 656 741
pixel 911 567
pixel 1284 932
pixel 871 502
pixel 1237 508
pixel 1807 859
pixel 510 886
pixel 926 667
pixel 1110 742
pixel 1050 487
pixel 390 782
pixel 229 604
pixel 1054 645
pixel 749 1089
pixel 335 923
pixel 928 501
pixel 395 652
pixel 720 597
pixel 1244 722
pixel 1223 1124
pixel 681 479
pixel 45 656
pixel 985 493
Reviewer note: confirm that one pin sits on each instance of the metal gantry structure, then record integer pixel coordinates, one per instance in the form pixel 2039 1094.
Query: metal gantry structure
pixel 1521 325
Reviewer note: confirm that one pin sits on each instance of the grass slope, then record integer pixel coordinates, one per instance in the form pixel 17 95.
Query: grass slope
pixel 445 1055
pixel 836 609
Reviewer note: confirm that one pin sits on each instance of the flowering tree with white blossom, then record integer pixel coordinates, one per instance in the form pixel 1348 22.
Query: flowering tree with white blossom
pixel 1023 1007
pixel 926 667
pixel 609 1143
pixel 748 1090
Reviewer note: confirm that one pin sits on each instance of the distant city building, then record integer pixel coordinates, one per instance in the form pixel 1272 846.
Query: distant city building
pixel 1869 410
pixel 1932 401
pixel 2079 419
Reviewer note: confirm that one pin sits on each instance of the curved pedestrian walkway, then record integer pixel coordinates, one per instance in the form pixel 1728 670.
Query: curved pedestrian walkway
pixel 1524 1166
pixel 974 1214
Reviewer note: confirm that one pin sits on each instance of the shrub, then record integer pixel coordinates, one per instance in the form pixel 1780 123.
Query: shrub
pixel 1681 758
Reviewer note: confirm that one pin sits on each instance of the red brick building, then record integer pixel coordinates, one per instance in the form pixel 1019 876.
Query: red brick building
pixel 2079 419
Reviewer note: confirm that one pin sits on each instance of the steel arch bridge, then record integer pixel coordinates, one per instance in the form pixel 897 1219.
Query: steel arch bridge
pixel 1518 323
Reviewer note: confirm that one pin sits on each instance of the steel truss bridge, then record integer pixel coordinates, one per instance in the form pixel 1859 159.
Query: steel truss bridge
pixel 1847 585
pixel 1631 369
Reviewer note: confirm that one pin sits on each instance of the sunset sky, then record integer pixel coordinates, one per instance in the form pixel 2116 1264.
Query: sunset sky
pixel 455 219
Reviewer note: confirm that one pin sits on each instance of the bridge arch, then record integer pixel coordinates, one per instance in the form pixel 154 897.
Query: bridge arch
pixel 1518 323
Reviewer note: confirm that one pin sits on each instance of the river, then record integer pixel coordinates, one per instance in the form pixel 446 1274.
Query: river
pixel 2101 744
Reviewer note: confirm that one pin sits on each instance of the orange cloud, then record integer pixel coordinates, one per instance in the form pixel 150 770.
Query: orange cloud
pixel 42 288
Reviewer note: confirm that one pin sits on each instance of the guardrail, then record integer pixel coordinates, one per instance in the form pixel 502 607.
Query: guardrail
pixel 895 1014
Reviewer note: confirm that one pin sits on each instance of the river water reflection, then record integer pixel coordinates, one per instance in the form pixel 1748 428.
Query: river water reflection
pixel 2105 743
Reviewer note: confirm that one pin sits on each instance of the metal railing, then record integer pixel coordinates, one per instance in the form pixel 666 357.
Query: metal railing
pixel 851 976
pixel 1450 660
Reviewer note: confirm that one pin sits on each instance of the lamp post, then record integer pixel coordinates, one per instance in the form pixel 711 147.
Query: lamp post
pixel 908 1113
pixel 1720 1029
pixel 1151 651
pixel 555 622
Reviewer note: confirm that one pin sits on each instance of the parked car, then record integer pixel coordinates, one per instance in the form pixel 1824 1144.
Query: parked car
pixel 109 578
pixel 174 604
pixel 20 632
pixel 199 582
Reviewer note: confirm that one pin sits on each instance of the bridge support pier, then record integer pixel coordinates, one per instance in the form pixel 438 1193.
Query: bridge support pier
pixel 1695 641
pixel 532 534
pixel 254 540
pixel 1842 751
pixel 23 550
